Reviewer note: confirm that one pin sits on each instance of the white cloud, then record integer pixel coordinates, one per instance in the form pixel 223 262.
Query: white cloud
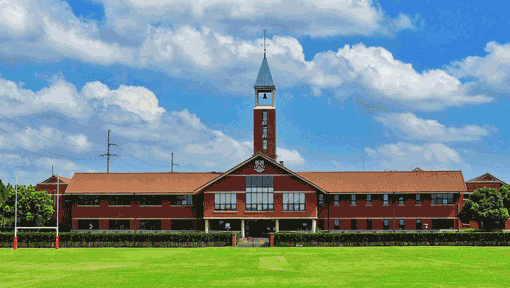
pixel 181 49
pixel 315 18
pixel 138 123
pixel 372 72
pixel 408 126
pixel 138 100
pixel 290 157
pixel 489 74
pixel 402 156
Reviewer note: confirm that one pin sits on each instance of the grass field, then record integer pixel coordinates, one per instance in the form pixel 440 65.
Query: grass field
pixel 257 267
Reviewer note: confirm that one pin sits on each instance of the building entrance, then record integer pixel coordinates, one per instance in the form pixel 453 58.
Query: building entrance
pixel 259 227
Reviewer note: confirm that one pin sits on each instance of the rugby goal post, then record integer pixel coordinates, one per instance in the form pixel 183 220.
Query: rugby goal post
pixel 16 217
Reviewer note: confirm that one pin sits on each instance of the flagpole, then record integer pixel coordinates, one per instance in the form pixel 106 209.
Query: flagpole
pixel 58 191
pixel 16 217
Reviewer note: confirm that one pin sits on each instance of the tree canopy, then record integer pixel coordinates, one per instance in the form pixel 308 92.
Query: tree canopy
pixel 487 207
pixel 31 204
pixel 3 192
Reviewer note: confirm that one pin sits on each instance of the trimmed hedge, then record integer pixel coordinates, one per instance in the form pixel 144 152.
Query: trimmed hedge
pixel 123 239
pixel 351 239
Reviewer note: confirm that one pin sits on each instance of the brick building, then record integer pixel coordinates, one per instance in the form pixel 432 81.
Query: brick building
pixel 262 195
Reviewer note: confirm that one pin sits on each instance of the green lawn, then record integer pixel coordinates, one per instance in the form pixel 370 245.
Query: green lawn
pixel 257 267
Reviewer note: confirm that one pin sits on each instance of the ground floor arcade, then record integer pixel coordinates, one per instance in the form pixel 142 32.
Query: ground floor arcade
pixel 261 227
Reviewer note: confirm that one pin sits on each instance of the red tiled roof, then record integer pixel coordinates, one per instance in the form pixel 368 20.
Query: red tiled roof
pixel 138 182
pixel 53 180
pixel 378 182
pixel 485 176
pixel 65 180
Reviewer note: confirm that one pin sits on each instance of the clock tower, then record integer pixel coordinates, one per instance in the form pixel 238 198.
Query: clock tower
pixel 264 113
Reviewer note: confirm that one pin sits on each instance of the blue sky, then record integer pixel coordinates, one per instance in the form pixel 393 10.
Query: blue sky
pixel 400 84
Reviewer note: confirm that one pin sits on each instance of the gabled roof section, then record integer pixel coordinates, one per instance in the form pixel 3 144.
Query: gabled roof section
pixel 53 179
pixel 139 183
pixel 252 158
pixel 487 177
pixel 264 79
pixel 392 182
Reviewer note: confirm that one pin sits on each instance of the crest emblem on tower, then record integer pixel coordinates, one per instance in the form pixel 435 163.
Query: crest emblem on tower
pixel 259 166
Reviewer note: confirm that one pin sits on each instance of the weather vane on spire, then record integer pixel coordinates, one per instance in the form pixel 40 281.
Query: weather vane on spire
pixel 265 44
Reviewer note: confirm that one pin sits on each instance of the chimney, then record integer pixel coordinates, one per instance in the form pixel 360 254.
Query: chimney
pixel 281 163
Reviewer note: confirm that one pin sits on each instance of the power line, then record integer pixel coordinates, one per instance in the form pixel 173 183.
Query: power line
pixel 41 154
pixel 61 156
pixel 29 129
pixel 141 160
pixel 127 163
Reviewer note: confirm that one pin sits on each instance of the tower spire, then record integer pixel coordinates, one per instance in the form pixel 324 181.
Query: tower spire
pixel 264 43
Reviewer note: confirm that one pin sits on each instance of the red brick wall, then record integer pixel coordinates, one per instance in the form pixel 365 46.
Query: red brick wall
pixel 104 224
pixel 163 211
pixel 249 168
pixel 52 188
pixel 271 133
pixel 473 186
pixel 377 209
pixel 166 224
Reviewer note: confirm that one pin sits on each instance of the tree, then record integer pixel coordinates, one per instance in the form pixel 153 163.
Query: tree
pixel 34 207
pixel 3 192
pixel 505 193
pixel 485 206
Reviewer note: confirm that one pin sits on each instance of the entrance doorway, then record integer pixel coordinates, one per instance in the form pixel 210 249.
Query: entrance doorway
pixel 259 227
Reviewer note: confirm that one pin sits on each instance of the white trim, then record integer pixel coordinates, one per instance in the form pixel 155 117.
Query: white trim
pixel 266 218
pixel 137 218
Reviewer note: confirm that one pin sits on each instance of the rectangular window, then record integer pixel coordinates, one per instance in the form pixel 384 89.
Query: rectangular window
pixel 418 224
pixel 401 224
pixel 354 225
pixel 89 200
pixel 418 201
pixel 336 200
pixel 321 199
pixel 264 117
pixel 119 200
pixel 264 132
pixel 369 199
pixel 401 200
pixel 353 199
pixel 225 201
pixel 337 224
pixel 442 199
pixel 386 224
pixel 259 193
pixel 294 201
pixel 385 199
pixel 369 224
pixel 264 144
pixel 181 200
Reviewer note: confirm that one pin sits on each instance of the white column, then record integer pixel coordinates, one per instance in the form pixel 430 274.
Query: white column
pixel 206 225
pixel 314 224
pixel 242 228
pixel 277 225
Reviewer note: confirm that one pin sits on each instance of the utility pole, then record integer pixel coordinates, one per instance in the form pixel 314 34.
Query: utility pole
pixel 173 163
pixel 108 153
